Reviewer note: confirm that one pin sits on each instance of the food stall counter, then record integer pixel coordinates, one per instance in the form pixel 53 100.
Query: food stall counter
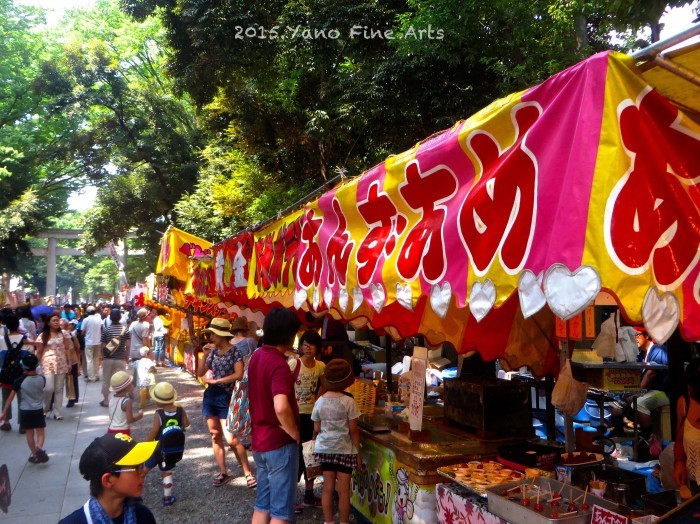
pixel 400 475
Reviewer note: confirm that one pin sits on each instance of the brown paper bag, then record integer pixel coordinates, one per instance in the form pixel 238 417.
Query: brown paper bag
pixel 568 395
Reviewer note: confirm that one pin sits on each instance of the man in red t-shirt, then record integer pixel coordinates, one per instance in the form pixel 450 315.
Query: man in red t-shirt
pixel 275 419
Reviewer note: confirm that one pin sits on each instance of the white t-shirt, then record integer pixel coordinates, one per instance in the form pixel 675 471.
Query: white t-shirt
pixel 14 339
pixel 145 378
pixel 159 327
pixel 92 327
pixel 334 414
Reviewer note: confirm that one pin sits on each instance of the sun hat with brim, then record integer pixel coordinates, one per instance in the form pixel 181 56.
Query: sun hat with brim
pixel 240 324
pixel 219 326
pixel 163 393
pixel 338 375
pixel 113 449
pixel 120 381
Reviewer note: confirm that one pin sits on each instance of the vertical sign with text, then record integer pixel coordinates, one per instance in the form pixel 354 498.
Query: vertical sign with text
pixel 419 363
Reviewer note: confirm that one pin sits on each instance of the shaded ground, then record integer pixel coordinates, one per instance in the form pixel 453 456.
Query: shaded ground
pixel 197 499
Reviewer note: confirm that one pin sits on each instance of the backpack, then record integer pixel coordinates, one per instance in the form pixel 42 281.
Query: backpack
pixel 12 368
pixel 172 437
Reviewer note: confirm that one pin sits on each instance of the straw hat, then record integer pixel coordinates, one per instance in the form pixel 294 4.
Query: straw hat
pixel 240 324
pixel 338 375
pixel 163 393
pixel 220 326
pixel 120 381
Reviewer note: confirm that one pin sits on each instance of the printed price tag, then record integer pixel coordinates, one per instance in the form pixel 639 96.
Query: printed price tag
pixel 605 516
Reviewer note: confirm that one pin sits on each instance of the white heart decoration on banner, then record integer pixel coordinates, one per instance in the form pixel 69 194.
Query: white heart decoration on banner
pixel 300 296
pixel 343 298
pixel 440 297
pixel 532 298
pixel 404 295
pixel 378 297
pixel 660 314
pixel 357 298
pixel 567 293
pixel 328 297
pixel 316 298
pixel 482 298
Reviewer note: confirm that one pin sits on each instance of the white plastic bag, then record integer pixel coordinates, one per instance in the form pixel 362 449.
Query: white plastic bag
pixel 313 468
pixel 568 395
pixel 605 342
pixel 626 349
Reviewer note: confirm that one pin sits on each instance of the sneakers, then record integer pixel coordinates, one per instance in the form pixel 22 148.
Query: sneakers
pixel 169 501
pixel 312 502
pixel 41 456
pixel 298 509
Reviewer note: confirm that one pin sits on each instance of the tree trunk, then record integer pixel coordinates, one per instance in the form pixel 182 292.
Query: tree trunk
pixel 581 32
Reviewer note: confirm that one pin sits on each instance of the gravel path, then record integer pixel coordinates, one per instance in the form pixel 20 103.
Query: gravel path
pixel 198 501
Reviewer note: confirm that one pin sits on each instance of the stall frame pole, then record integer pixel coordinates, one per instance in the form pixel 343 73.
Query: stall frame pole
pixel 569 435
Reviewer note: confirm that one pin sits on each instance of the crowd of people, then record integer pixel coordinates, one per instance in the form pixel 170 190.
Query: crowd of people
pixel 291 397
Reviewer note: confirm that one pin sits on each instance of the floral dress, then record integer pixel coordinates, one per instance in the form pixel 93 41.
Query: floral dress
pixel 55 361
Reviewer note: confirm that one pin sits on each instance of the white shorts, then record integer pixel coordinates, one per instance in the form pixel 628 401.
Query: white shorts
pixel 651 400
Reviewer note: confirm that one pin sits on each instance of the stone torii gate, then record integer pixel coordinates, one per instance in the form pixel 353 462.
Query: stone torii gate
pixel 52 251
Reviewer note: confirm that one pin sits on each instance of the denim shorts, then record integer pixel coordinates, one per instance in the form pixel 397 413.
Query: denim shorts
pixel 215 402
pixel 277 473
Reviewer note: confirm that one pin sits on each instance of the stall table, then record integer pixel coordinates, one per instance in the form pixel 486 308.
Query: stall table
pixel 399 481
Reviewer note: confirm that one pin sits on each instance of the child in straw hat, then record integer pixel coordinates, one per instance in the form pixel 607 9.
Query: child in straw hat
pixel 337 437
pixel 169 424
pixel 121 404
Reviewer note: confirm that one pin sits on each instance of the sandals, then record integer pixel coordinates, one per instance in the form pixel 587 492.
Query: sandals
pixel 220 479
pixel 250 480
pixel 103 404
pixel 169 501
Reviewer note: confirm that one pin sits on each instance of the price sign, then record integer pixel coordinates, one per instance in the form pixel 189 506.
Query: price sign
pixel 605 516
pixel 418 367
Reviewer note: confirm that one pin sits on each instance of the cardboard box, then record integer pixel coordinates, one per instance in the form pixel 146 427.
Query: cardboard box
pixel 609 379
pixel 439 363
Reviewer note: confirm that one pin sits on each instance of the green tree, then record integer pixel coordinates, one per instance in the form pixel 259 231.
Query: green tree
pixel 33 188
pixel 137 140
pixel 306 87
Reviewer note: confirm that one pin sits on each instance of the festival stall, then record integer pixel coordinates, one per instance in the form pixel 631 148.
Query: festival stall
pixel 481 236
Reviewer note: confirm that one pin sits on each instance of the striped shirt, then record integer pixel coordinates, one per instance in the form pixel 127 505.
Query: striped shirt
pixel 114 330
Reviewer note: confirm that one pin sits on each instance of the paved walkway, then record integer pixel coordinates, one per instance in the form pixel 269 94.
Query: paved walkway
pixel 48 492
pixel 45 493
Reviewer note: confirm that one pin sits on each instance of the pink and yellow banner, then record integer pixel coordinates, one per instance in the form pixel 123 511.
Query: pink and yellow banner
pixel 232 258
pixel 587 180
pixel 592 167
pixel 176 249
pixel 275 251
